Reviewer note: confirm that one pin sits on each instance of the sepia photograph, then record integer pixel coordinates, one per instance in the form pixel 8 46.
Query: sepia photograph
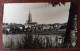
pixel 39 25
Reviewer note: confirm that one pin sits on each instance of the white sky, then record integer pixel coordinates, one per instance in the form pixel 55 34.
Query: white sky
pixel 41 13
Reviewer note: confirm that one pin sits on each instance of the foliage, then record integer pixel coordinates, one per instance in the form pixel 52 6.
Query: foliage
pixel 57 3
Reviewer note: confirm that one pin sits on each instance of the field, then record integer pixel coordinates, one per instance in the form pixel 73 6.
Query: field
pixel 32 41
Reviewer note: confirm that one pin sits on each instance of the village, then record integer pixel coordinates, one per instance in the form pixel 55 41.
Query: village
pixel 30 30
pixel 30 26
pixel 34 35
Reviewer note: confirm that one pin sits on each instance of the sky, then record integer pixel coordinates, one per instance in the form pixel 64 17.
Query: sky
pixel 42 13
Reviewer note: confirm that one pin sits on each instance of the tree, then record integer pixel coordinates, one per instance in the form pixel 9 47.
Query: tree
pixel 71 22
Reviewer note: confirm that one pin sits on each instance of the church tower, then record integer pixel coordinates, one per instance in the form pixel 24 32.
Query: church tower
pixel 29 18
pixel 29 21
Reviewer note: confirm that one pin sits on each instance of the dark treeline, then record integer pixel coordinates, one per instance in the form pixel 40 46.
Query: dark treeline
pixel 19 28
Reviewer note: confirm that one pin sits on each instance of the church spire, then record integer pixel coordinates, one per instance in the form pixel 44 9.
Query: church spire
pixel 29 17
pixel 29 21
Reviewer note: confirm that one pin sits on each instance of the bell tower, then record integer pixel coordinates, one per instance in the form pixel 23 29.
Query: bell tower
pixel 29 21
pixel 29 18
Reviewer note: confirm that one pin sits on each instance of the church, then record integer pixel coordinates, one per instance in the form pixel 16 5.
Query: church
pixel 29 21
